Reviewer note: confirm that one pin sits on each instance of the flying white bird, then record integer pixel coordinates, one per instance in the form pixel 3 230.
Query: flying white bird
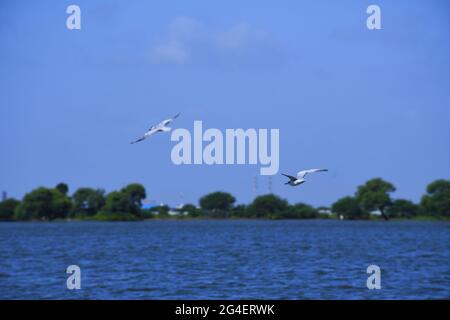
pixel 295 181
pixel 160 127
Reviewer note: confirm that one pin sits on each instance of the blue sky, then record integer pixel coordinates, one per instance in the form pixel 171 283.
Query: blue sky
pixel 361 103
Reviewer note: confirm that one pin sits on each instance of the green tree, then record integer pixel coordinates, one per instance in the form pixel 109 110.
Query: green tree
pixel 62 187
pixel 135 193
pixel 301 211
pixel 240 211
pixel 162 211
pixel 7 208
pixel 87 201
pixel 117 202
pixel 217 201
pixel 147 214
pixel 43 203
pixel 437 199
pixel 349 208
pixel 191 210
pixel 401 208
pixel 375 195
pixel 269 206
pixel 124 204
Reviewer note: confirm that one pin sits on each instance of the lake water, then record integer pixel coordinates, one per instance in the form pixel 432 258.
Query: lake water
pixel 240 259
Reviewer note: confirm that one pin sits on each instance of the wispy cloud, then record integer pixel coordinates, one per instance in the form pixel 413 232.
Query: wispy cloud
pixel 187 39
pixel 185 29
pixel 172 52
pixel 176 48
pixel 239 36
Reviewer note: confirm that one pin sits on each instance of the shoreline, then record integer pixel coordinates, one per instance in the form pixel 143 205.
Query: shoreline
pixel 175 218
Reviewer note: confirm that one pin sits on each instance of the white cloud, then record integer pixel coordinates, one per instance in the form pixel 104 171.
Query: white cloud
pixel 176 48
pixel 171 52
pixel 239 36
pixel 186 37
pixel 185 29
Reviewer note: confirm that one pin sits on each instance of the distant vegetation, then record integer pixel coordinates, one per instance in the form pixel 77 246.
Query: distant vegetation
pixel 126 205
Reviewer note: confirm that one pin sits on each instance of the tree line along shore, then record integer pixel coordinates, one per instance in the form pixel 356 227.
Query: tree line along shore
pixel 372 200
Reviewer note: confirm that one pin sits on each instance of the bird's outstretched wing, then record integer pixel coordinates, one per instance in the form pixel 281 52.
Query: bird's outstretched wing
pixel 303 173
pixel 290 177
pixel 157 128
pixel 138 140
pixel 166 122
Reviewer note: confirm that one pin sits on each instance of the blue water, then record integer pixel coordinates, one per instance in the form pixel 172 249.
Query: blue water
pixel 243 259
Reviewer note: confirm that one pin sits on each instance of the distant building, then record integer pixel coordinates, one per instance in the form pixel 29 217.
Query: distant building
pixel 4 195
pixel 376 213
pixel 181 205
pixel 324 210
pixel 148 204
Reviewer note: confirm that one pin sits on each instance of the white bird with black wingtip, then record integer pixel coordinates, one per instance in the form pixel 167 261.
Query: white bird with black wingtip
pixel 296 181
pixel 160 127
